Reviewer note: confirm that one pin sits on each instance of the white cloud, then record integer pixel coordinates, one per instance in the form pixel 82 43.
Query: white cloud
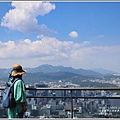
pixel 52 51
pixel 45 47
pixel 23 17
pixel 73 34
pixel 100 36
pixel 44 31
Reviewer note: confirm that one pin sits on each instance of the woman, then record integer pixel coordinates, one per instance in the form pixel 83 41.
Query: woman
pixel 19 93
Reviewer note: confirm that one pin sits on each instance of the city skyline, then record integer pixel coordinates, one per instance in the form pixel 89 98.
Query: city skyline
pixel 76 34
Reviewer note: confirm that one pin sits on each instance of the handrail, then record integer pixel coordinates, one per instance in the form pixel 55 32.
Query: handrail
pixel 81 88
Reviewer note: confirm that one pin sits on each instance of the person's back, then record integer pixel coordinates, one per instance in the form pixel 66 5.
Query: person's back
pixel 19 93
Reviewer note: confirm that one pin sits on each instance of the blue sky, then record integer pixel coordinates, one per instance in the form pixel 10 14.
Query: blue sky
pixel 76 34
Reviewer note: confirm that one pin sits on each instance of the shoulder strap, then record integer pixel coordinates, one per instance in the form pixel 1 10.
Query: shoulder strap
pixel 12 86
pixel 15 81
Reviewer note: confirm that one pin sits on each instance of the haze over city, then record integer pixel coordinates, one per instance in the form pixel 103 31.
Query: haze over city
pixel 76 34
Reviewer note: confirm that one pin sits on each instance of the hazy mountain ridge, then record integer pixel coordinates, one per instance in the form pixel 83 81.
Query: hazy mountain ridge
pixel 55 73
pixel 49 68
pixel 50 73
pixel 39 76
pixel 104 71
pixel 4 72
pixel 54 69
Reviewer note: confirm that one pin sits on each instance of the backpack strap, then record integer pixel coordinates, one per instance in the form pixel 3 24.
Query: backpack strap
pixel 16 79
pixel 12 85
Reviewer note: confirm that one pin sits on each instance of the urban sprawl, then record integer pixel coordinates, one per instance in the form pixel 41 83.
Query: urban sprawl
pixel 53 107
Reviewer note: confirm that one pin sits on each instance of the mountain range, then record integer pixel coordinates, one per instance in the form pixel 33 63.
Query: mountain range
pixel 104 71
pixel 52 73
pixel 52 69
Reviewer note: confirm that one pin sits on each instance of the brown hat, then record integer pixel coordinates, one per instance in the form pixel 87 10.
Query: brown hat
pixel 17 70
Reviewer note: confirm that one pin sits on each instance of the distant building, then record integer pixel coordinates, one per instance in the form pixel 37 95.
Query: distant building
pixel 115 102
pixel 53 104
pixel 34 112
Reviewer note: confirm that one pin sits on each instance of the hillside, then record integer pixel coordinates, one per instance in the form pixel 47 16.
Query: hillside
pixel 55 73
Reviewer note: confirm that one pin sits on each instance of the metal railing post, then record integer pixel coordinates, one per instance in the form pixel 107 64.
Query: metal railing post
pixel 71 103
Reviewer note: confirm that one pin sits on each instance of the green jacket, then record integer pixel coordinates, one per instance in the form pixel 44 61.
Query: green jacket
pixel 20 96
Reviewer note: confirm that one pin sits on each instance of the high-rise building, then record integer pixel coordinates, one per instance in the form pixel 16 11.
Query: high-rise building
pixel 115 102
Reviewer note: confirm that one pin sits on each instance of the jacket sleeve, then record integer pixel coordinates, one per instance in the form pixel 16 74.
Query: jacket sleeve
pixel 19 91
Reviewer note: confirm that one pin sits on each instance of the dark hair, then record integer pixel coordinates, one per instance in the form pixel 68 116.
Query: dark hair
pixel 17 76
